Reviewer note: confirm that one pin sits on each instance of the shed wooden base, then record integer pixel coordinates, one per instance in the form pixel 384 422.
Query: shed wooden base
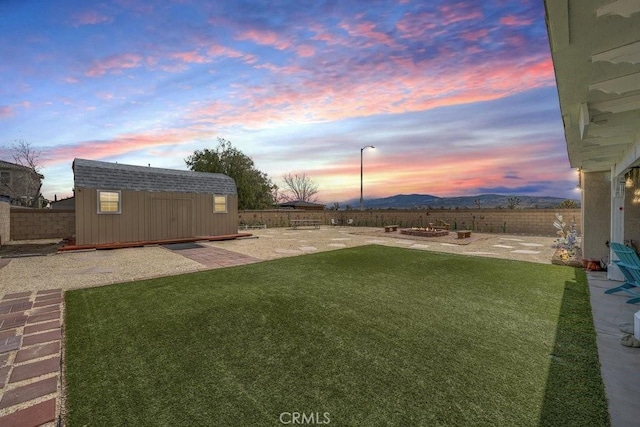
pixel 120 245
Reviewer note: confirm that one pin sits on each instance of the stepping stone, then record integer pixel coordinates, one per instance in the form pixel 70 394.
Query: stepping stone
pixel 525 251
pixel 342 238
pixel 513 240
pixel 480 253
pixel 374 242
pixel 503 246
pixel 448 244
pixel 403 242
pixel 287 251
pixel 337 245
pixel 531 244
pixel 308 248
pixel 419 246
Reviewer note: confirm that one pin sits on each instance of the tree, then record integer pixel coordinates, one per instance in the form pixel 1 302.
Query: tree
pixel 299 187
pixel 255 189
pixel 23 184
pixel 513 202
pixel 568 204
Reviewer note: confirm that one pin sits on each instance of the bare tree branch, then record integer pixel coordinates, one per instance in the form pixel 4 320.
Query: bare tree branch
pixel 299 187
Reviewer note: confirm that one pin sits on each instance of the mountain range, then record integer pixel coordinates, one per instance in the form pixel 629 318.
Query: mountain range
pixel 483 201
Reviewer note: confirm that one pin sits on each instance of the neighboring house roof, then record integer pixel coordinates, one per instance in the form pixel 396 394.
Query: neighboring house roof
pixel 300 204
pixel 68 203
pixel 8 165
pixel 115 176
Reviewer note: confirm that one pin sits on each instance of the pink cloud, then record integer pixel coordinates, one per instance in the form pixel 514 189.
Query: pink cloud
pixel 119 145
pixel 114 64
pixel 305 50
pixel 474 35
pixel 90 17
pixel 218 50
pixel 266 38
pixel 71 80
pixel 416 25
pixel 6 112
pixel 515 21
pixel 368 31
pixel 190 57
pixel 453 13
pixel 357 95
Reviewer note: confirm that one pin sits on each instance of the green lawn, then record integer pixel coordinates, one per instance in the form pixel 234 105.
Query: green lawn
pixel 371 336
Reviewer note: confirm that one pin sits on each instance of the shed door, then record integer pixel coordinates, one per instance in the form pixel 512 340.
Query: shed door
pixel 170 219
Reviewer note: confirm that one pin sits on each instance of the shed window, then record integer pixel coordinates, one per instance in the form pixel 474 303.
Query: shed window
pixel 109 202
pixel 5 178
pixel 220 204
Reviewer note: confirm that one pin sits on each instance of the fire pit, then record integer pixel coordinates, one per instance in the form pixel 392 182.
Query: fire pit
pixel 425 232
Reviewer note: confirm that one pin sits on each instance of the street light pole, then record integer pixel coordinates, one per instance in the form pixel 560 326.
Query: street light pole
pixel 361 198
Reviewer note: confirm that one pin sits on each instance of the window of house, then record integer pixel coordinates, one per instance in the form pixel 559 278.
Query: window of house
pixel 109 202
pixel 220 204
pixel 5 177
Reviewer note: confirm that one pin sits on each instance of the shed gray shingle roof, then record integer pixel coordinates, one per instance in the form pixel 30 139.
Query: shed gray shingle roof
pixel 115 176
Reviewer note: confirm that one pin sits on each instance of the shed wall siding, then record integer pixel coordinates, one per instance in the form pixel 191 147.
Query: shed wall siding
pixel 151 216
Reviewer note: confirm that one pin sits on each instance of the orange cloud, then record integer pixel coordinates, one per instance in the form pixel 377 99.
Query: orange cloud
pixel 115 64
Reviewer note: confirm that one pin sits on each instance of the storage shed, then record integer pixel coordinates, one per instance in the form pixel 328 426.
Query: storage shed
pixel 117 203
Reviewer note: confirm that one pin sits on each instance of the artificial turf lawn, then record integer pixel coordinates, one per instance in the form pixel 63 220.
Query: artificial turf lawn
pixel 370 336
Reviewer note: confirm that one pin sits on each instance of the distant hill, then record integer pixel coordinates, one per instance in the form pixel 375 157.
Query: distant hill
pixel 483 201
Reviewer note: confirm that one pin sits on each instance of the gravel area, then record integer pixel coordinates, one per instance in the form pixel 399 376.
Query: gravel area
pixel 95 268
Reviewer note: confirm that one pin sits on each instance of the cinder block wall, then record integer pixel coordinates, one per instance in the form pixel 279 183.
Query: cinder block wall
pixel 5 218
pixel 31 224
pixel 538 222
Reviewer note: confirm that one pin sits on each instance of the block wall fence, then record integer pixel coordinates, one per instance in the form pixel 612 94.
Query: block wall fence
pixel 537 222
pixel 30 224
pixel 27 224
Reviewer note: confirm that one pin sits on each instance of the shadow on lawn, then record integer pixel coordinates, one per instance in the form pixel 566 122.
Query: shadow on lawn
pixel 575 395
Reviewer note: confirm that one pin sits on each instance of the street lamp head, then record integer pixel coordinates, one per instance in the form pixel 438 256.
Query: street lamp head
pixel 367 146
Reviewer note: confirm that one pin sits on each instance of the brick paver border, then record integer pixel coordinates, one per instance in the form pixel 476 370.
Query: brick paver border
pixel 30 358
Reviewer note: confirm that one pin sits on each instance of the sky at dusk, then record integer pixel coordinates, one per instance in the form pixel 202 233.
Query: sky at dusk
pixel 458 97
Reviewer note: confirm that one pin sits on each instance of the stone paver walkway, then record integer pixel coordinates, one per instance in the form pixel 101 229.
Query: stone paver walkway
pixel 212 257
pixel 30 355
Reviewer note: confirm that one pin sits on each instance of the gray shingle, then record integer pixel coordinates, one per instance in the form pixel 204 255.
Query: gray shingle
pixel 115 176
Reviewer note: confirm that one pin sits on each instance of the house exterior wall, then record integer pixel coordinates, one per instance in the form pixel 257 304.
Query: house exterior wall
pixel 537 222
pixel 31 224
pixel 596 214
pixel 148 216
pixel 21 184
pixel 631 218
pixel 5 220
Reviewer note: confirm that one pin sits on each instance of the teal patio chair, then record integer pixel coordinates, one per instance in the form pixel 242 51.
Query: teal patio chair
pixel 629 264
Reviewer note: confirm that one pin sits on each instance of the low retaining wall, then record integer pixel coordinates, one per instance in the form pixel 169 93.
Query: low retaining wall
pixel 32 224
pixel 535 222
